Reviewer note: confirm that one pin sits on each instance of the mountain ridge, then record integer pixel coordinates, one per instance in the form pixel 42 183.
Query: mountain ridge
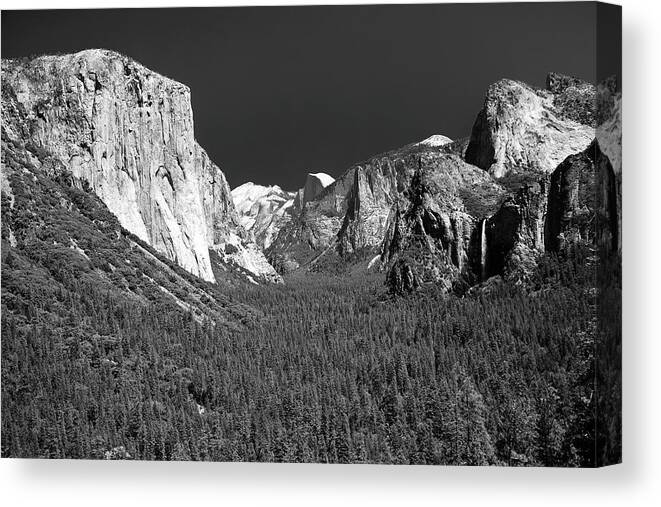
pixel 128 131
pixel 364 210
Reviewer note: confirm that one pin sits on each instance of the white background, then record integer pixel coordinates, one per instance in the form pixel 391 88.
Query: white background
pixel 636 482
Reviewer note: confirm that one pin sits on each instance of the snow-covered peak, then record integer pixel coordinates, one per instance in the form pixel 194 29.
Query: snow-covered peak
pixel 246 195
pixel 262 209
pixel 435 140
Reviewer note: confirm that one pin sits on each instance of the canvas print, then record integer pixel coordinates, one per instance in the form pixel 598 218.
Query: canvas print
pixel 382 234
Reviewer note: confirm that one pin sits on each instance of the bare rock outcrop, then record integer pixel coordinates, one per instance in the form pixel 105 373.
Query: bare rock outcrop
pixel 522 129
pixel 515 233
pixel 432 217
pixel 585 194
pixel 314 184
pixel 434 228
pixel 263 210
pixel 128 131
pixel 571 201
pixel 576 204
pixel 583 202
pixel 352 216
pixel 573 98
pixel 609 140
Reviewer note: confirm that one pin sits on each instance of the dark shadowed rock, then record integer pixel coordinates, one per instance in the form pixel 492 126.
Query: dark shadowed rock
pixel 515 234
pixel 609 158
pixel 571 201
pixel 402 278
pixel 609 203
pixel 314 184
pixel 434 226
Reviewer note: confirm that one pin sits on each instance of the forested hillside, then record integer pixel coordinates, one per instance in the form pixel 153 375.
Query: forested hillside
pixel 443 303
pixel 335 371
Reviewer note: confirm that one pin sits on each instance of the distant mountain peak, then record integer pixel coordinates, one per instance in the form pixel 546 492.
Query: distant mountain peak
pixel 246 194
pixel 314 184
pixel 435 141
pixel 324 179
pixel 262 210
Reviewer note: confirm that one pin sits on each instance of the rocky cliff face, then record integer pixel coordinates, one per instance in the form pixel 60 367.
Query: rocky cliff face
pixel 370 197
pixel 522 129
pixel 314 185
pixel 609 162
pixel 433 232
pixel 537 181
pixel 129 132
pixel 579 202
pixel 572 98
pixel 514 235
pixel 576 203
pixel 350 214
pixel 526 133
pixel 262 210
pixel 571 201
pixel 421 197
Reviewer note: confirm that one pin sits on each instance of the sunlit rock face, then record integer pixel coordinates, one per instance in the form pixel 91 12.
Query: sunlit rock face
pixel 313 221
pixel 263 210
pixel 547 135
pixel 579 202
pixel 521 128
pixel 562 188
pixel 351 214
pixel 129 132
pixel 421 198
pixel 418 199
pixel 372 193
pixel 456 213
pixel 347 215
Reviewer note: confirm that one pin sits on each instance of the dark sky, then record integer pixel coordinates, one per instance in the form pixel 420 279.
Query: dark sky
pixel 281 91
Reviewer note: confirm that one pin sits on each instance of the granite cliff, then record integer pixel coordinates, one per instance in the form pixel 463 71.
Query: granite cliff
pixel 263 210
pixel 128 132
pixel 553 157
pixel 362 216
pixel 523 129
pixel 578 202
pixel 540 171
pixel 460 212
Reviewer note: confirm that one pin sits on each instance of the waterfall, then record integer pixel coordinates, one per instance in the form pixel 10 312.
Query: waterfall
pixel 483 250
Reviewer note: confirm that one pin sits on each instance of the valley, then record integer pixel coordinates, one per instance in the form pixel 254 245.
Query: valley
pixel 334 371
pixel 446 302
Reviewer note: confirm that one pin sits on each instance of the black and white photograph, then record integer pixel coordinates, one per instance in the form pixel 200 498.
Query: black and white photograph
pixel 341 234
